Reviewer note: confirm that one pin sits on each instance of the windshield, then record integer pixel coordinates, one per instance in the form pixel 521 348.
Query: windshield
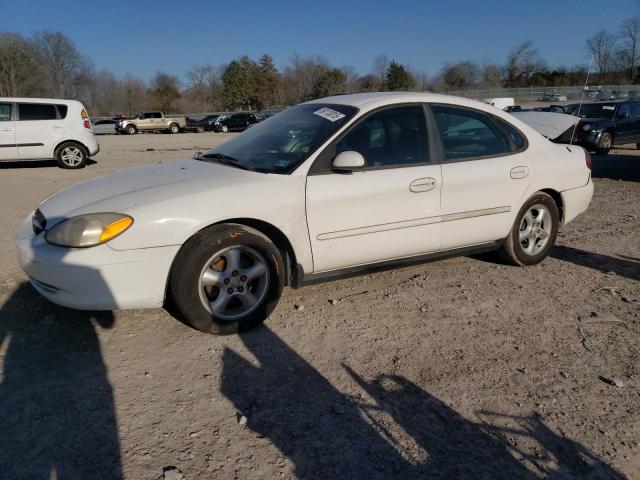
pixel 598 110
pixel 281 142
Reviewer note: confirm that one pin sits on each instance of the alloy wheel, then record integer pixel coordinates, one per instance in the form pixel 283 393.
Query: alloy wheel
pixel 535 229
pixel 234 282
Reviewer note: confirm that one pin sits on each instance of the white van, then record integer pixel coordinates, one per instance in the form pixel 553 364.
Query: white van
pixel 45 128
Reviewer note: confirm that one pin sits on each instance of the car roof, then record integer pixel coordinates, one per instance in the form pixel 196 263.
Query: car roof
pixel 39 100
pixel 370 101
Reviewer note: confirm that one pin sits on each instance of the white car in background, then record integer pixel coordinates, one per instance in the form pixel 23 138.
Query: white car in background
pixel 328 188
pixel 46 128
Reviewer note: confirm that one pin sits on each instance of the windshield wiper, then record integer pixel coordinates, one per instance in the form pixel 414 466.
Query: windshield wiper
pixel 225 160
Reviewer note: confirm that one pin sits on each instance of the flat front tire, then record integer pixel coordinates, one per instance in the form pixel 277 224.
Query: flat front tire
pixel 227 278
pixel 533 233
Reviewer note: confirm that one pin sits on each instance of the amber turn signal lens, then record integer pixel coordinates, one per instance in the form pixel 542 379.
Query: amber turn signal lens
pixel 116 228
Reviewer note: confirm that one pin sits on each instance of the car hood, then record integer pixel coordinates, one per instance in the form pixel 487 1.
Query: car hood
pixel 141 186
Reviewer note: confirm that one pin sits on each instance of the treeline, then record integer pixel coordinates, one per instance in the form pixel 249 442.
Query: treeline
pixel 48 64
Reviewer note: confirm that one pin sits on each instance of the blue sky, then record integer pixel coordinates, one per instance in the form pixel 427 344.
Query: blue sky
pixel 143 36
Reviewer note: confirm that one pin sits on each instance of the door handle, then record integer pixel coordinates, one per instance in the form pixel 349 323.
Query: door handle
pixel 422 185
pixel 519 172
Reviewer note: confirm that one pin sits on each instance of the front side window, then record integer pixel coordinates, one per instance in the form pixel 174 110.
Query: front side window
pixel 469 133
pixel 280 143
pixel 392 137
pixel 36 111
pixel 5 112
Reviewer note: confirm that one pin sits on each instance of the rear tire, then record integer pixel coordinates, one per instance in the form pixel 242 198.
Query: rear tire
pixel 533 233
pixel 224 129
pixel 606 141
pixel 71 156
pixel 226 279
pixel 174 128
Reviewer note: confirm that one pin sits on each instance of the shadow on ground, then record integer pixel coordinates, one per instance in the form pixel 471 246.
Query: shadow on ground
pixel 617 165
pixel 57 415
pixel 21 164
pixel 628 267
pixel 392 429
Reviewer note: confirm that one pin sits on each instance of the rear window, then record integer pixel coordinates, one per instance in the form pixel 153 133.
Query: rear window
pixel 36 111
pixel 62 110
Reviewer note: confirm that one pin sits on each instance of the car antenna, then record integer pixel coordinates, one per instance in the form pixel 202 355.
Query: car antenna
pixel 586 82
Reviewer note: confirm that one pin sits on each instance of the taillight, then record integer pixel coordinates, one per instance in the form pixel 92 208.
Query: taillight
pixel 587 159
pixel 85 119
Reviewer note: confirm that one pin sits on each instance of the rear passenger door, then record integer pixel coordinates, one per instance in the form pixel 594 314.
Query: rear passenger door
pixel 38 130
pixel 8 148
pixel 485 173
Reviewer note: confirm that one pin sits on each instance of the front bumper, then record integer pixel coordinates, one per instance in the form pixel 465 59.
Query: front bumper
pixel 588 140
pixel 96 278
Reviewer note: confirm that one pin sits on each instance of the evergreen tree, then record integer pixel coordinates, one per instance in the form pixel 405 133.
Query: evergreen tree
pixel 398 79
pixel 239 80
pixel 268 84
pixel 330 82
pixel 165 92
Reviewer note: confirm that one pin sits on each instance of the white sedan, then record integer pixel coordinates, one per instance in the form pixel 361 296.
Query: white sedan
pixel 328 188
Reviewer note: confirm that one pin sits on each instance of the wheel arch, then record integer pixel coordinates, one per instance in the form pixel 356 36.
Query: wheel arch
pixel 70 140
pixel 557 198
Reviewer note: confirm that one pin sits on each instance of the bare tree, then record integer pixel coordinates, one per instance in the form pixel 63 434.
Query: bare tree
pixel 522 62
pixel 630 49
pixel 204 87
pixel 460 75
pixel 380 67
pixel 19 73
pixel 602 47
pixel 62 64
pixel 490 76
pixel 300 77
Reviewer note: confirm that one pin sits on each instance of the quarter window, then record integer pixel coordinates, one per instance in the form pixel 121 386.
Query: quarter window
pixel 5 112
pixel 516 137
pixel 468 133
pixel 393 137
pixel 36 111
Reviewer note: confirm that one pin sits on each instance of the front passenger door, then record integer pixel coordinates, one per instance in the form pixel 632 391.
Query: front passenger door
pixel 387 210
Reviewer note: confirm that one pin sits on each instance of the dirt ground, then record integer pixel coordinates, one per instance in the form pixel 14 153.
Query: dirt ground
pixel 459 369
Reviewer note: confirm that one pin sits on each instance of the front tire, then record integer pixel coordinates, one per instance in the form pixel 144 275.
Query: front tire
pixel 227 278
pixel 224 129
pixel 71 156
pixel 533 233
pixel 132 130
pixel 606 141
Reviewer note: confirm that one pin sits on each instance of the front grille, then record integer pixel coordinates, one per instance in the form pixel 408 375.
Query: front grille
pixel 38 222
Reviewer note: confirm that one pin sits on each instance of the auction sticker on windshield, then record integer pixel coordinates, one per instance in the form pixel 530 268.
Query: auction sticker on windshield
pixel 329 114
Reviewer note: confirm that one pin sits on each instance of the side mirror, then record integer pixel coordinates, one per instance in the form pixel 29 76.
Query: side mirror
pixel 198 156
pixel 348 161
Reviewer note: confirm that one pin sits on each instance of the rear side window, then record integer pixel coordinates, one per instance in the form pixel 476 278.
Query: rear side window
pixel 62 110
pixel 516 137
pixel 36 111
pixel 468 134
pixel 635 110
pixel 5 112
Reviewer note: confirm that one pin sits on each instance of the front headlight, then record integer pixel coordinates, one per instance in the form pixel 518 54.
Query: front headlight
pixel 89 230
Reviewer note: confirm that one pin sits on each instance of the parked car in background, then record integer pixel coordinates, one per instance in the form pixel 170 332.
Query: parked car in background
pixel 103 127
pixel 46 128
pixel 554 97
pixel 555 109
pixel 236 122
pixel 329 188
pixel 205 123
pixel 513 108
pixel 151 122
pixel 620 94
pixel 605 124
